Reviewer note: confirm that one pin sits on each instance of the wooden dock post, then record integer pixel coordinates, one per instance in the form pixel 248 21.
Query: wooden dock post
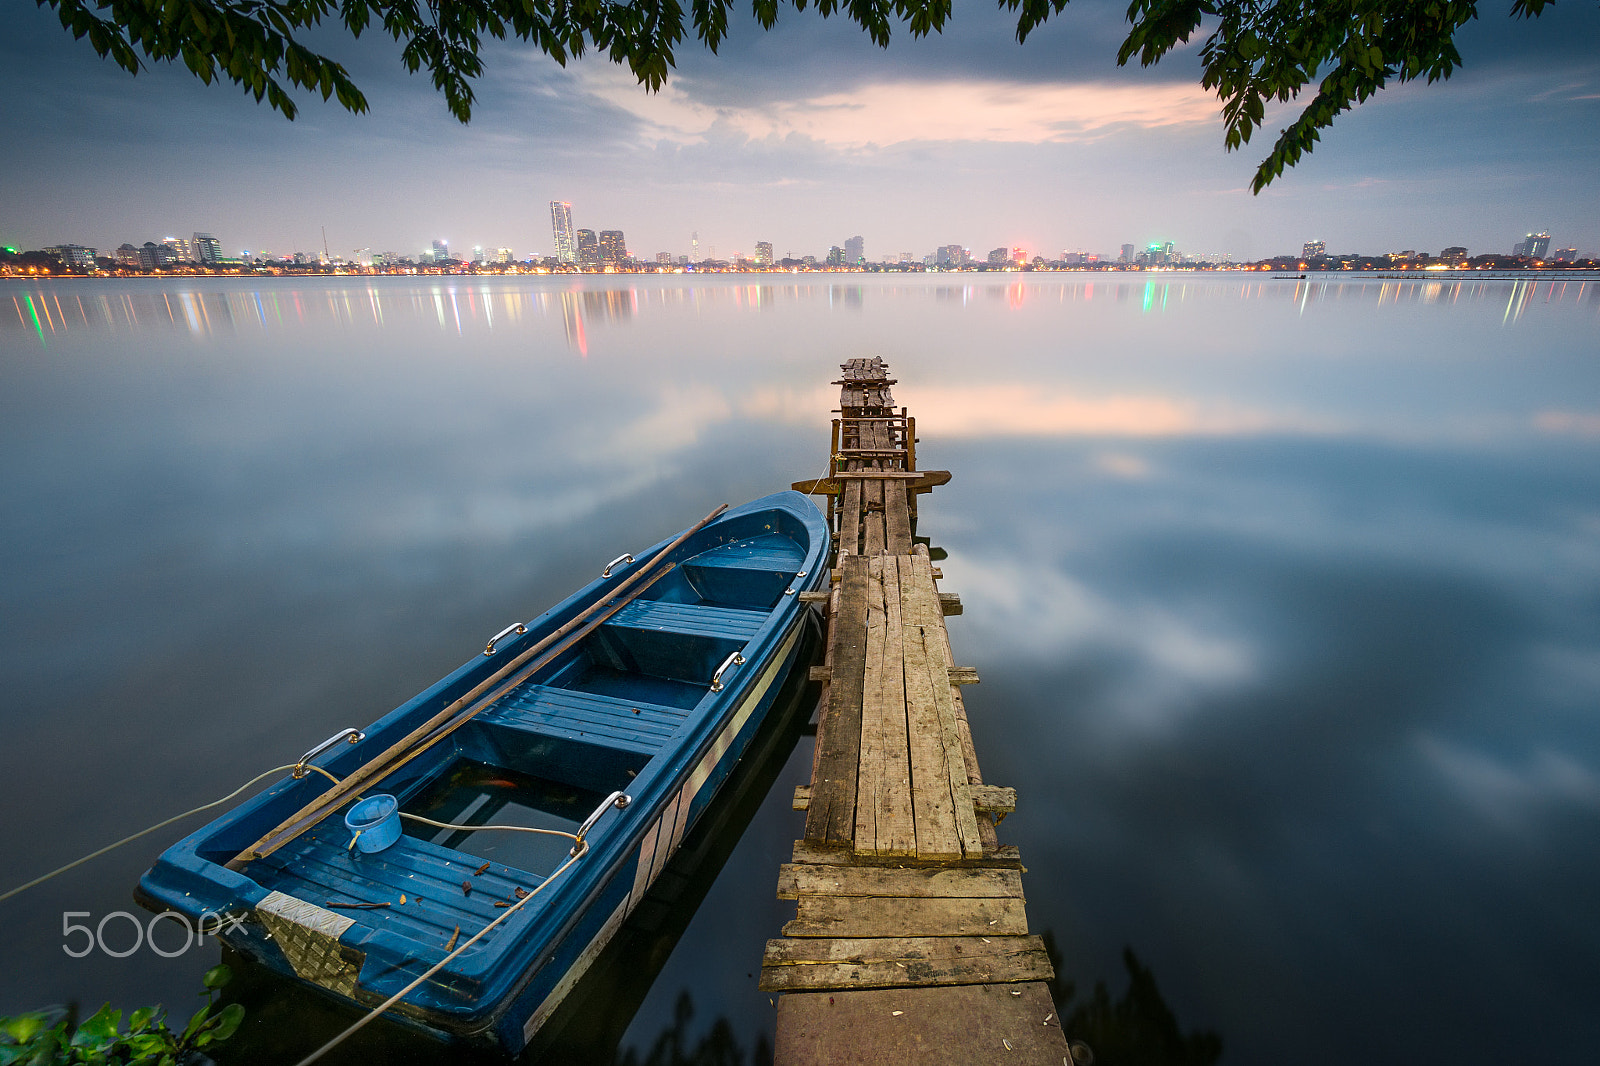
pixel 910 943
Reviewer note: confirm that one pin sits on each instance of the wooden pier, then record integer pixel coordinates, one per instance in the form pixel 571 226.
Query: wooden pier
pixel 911 941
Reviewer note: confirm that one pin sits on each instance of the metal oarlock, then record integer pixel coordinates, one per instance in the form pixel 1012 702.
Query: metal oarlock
pixel 791 590
pixel 618 800
pixel 620 560
pixel 736 659
pixel 354 736
pixel 515 627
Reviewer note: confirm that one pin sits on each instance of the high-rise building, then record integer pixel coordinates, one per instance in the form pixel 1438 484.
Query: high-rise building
pixel 1312 249
pixel 151 256
pixel 127 255
pixel 588 250
pixel 504 256
pixel 1566 255
pixel 763 253
pixel 613 249
pixel 1454 254
pixel 441 251
pixel 207 249
pixel 663 258
pixel 1536 246
pixel 1127 254
pixel 836 256
pixel 999 256
pixel 561 229
pixel 178 250
pixel 73 256
pixel 1019 255
pixel 855 251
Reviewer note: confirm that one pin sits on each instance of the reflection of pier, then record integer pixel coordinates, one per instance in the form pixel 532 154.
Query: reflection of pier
pixel 911 941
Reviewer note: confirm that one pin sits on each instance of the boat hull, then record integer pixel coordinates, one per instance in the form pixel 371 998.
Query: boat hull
pixel 633 708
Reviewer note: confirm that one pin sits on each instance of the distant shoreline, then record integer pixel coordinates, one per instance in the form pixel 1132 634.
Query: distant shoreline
pixel 1274 273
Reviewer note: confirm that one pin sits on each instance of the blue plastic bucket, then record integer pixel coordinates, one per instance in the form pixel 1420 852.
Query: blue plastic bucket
pixel 375 821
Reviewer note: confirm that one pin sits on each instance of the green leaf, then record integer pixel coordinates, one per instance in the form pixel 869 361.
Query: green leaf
pixel 141 1018
pixel 228 1021
pixel 98 1030
pixel 23 1027
pixel 197 1021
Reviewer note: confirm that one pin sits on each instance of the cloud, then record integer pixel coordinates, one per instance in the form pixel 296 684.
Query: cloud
pixel 1507 795
pixel 924 110
pixel 1015 410
pixel 1568 423
pixel 1174 660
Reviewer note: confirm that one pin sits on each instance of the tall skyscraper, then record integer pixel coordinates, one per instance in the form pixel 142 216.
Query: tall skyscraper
pixel 763 253
pixel 207 249
pixel 613 249
pixel 1127 254
pixel 178 250
pixel 588 250
pixel 561 228
pixel 1536 246
pixel 1312 249
pixel 855 251
pixel 441 251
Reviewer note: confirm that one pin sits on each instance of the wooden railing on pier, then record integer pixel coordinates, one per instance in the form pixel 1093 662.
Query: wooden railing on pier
pixel 910 942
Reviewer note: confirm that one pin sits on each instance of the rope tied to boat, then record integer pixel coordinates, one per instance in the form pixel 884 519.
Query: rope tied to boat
pixel 159 825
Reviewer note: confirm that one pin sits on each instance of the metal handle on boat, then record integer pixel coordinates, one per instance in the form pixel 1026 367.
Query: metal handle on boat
pixel 797 576
pixel 736 659
pixel 618 800
pixel 354 736
pixel 515 627
pixel 618 561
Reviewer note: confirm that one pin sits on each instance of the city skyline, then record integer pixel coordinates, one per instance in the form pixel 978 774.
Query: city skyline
pixel 965 138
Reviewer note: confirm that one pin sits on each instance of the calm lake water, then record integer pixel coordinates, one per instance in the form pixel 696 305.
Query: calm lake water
pixel 1285 596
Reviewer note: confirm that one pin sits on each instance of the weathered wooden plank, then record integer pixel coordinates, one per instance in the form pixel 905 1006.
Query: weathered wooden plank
pixel 819 596
pixel 933 800
pixel 850 519
pixel 930 882
pixel 922 604
pixel 874 916
pixel 963 675
pixel 872 534
pixel 902 962
pixel 832 816
pixel 820 673
pixel 949 602
pixel 884 820
pixel 896 518
pixel 817 853
pixel 994 799
pixel 801 801
pixel 946 1025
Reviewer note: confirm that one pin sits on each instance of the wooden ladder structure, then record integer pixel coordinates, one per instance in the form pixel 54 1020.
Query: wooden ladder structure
pixel 911 940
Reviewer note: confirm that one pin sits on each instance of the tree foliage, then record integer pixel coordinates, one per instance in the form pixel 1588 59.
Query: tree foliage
pixel 1255 51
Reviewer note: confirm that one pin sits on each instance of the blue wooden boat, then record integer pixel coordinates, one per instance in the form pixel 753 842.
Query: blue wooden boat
pixel 614 717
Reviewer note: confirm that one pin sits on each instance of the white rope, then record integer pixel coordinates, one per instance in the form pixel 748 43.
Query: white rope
pixel 474 828
pixel 398 996
pixel 152 829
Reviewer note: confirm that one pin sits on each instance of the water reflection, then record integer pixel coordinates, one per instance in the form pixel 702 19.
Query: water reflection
pixel 1283 594
pixel 229 307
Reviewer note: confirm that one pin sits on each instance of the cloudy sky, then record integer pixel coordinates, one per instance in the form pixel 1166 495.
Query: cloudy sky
pixel 804 136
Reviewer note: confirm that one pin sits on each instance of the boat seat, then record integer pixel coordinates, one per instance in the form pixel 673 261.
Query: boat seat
pixel 318 868
pixel 752 572
pixel 586 716
pixel 690 619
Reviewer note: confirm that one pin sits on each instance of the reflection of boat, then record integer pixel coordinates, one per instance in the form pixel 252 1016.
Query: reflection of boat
pixel 629 702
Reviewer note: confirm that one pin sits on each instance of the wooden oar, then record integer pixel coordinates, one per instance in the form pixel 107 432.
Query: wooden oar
pixel 384 762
